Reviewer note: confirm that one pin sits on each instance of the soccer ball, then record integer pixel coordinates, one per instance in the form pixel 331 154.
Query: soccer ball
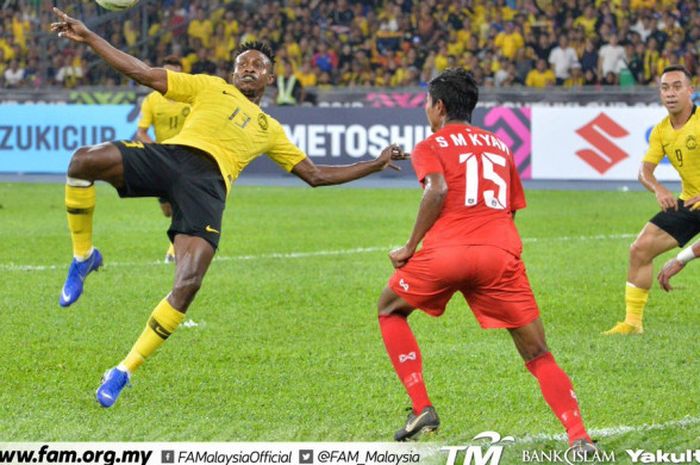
pixel 116 5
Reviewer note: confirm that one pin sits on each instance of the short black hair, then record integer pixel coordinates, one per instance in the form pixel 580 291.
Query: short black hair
pixel 261 47
pixel 680 68
pixel 458 91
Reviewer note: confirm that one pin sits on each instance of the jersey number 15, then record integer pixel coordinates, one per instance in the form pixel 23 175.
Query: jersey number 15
pixel 492 199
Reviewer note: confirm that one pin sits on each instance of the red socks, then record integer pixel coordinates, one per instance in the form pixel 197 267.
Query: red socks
pixel 404 353
pixel 559 394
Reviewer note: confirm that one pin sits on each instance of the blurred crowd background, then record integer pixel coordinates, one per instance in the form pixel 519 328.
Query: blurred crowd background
pixel 350 43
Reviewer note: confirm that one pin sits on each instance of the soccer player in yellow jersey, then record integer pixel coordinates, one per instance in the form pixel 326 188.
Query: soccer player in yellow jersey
pixel 225 131
pixel 678 138
pixel 167 118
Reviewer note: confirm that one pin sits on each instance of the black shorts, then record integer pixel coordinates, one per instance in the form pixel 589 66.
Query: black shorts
pixel 189 178
pixel 682 224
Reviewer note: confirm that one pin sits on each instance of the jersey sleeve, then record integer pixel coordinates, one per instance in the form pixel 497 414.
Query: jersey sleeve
pixel 425 160
pixel 517 193
pixel 183 87
pixel 655 152
pixel 146 113
pixel 283 151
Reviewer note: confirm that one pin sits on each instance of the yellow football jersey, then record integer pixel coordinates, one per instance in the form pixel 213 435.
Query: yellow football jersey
pixel 680 146
pixel 225 124
pixel 166 116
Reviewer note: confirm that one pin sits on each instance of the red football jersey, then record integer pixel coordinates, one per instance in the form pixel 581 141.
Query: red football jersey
pixel 483 184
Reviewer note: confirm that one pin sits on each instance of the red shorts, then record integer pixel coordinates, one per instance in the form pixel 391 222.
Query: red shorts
pixel 492 281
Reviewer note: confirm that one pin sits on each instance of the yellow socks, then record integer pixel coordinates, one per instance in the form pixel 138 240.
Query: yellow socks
pixel 80 204
pixel 635 300
pixel 163 321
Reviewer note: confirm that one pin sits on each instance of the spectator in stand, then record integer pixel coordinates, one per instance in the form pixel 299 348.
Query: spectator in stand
pixel 288 91
pixel 643 26
pixel 541 76
pixel 14 74
pixel 610 57
pixel 509 41
pixel 325 59
pixel 651 56
pixel 576 78
pixel 68 75
pixel 523 64
pixel 543 47
pixel 342 17
pixel 562 58
pixel 588 20
pixel 589 58
pixel 204 64
pixel 610 79
pixel 223 44
pixel 201 27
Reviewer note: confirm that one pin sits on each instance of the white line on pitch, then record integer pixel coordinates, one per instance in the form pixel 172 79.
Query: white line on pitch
pixel 617 430
pixel 318 253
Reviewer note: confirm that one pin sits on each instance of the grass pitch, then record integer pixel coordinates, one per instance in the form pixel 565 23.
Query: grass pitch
pixel 287 347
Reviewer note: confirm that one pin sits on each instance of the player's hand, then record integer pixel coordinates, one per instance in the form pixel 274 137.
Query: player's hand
pixel 666 199
pixel 399 257
pixel 391 152
pixel 671 268
pixel 693 203
pixel 70 28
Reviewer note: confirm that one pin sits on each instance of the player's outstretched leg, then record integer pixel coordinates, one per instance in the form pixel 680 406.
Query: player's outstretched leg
pixel 651 242
pixel 165 318
pixel 405 356
pixel 556 386
pixel 100 162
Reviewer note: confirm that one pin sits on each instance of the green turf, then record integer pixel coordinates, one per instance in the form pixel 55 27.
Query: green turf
pixel 288 348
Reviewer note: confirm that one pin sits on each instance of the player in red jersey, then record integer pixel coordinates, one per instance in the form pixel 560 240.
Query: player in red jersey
pixel 470 244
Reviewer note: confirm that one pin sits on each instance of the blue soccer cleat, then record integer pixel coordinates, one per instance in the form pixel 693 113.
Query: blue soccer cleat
pixel 77 273
pixel 113 382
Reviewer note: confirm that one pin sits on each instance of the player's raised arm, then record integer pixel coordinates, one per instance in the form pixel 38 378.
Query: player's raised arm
pixel 75 30
pixel 326 175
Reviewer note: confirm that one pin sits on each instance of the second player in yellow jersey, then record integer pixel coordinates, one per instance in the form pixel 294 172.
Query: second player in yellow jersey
pixel 675 137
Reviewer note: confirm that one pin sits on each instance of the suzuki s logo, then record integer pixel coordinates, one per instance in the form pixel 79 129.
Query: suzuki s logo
pixel 475 455
pixel 599 133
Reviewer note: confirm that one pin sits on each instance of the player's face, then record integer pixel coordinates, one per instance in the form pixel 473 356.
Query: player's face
pixel 252 73
pixel 675 91
pixel 434 113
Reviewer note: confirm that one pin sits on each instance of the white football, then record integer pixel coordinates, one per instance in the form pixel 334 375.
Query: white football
pixel 116 5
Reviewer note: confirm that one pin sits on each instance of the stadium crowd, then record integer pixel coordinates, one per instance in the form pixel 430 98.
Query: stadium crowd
pixel 569 43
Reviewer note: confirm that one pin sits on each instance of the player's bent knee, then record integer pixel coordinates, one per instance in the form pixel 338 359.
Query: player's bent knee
pixel 79 166
pixel 640 250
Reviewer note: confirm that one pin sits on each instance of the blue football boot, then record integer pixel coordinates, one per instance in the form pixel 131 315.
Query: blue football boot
pixel 113 382
pixel 77 273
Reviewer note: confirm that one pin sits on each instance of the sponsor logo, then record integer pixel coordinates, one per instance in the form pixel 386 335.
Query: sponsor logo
pixel 599 132
pixel 570 456
pixel 659 456
pixel 691 143
pixel 262 121
pixel 403 358
pixel 403 284
pixel 211 230
pixel 476 455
